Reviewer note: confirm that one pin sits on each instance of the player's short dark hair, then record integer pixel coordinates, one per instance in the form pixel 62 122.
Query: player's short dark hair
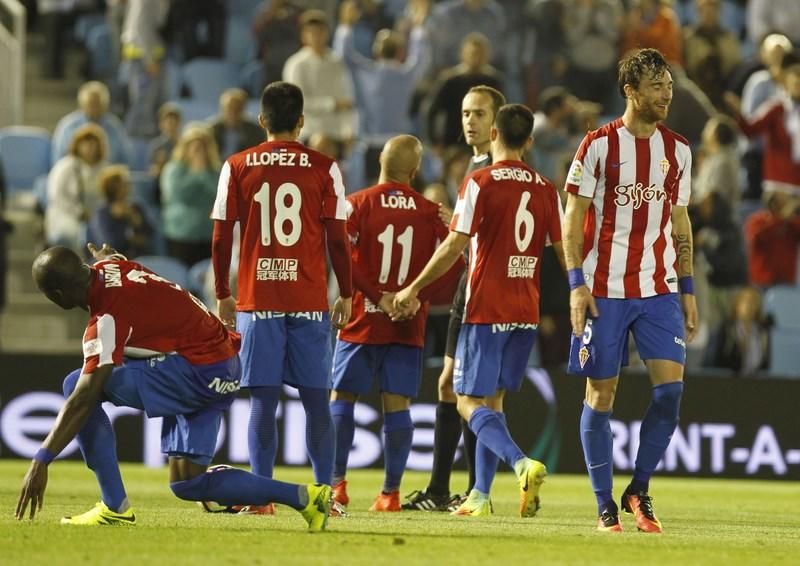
pixel 281 106
pixel 497 98
pixel 639 64
pixel 514 123
pixel 552 98
pixel 725 131
pixel 790 59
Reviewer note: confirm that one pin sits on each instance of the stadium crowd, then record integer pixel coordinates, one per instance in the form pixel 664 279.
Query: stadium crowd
pixel 174 85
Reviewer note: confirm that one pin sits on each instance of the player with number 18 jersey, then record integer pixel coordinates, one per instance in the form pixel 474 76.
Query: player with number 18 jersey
pixel 289 202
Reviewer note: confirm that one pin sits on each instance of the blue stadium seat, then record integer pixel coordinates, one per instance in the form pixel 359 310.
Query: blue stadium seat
pixel 252 78
pixel 242 8
pixel 167 267
pixel 25 154
pixel 207 78
pixel 101 57
pixel 197 278
pixel 253 108
pixel 196 110
pixel 240 44
pixel 143 188
pixel 140 154
pixel 85 24
pixel 40 191
pixel 784 353
pixel 783 303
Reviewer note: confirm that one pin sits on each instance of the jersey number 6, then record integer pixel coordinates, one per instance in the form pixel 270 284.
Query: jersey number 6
pixel 524 223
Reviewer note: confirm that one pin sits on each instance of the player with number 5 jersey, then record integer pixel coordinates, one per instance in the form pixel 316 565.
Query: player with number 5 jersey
pixel 507 213
pixel 289 201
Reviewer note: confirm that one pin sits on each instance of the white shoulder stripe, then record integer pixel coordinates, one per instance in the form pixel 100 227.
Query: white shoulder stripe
pixel 220 210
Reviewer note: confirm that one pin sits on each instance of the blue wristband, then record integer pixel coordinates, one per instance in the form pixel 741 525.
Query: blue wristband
pixel 686 285
pixel 575 277
pixel 44 456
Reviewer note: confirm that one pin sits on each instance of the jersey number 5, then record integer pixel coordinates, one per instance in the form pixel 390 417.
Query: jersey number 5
pixel 284 213
pixel 386 238
pixel 523 223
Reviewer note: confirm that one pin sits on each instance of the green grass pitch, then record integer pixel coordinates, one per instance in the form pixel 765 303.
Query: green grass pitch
pixel 706 522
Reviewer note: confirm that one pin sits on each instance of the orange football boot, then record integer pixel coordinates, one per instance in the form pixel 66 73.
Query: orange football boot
pixel 387 502
pixel 641 505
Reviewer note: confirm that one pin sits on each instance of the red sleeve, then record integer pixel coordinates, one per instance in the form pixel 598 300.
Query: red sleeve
pixel 339 252
pixel 221 246
pixel 363 284
pixel 554 232
pixel 760 123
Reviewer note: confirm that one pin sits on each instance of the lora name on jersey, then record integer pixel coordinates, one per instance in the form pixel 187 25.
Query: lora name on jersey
pixel 281 157
pixel 514 174
pixel 398 201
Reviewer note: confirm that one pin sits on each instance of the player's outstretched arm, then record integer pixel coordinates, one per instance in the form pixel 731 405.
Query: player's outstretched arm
pixel 684 248
pixel 580 298
pixel 70 420
pixel 440 263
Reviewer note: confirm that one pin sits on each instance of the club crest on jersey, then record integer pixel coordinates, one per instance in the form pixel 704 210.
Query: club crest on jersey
pixel 394 200
pixel 664 163
pixel 583 356
pixel 638 193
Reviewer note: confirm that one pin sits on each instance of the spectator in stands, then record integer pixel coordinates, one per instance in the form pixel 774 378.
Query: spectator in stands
pixel 551 132
pixel 653 23
pixel 718 169
pixel 451 22
pixel 773 236
pixel 455 162
pixel 143 50
pixel 764 84
pixel 277 32
pixel 690 108
pixel 233 131
pixel 778 121
pixel 741 342
pixel 773 16
pixel 549 24
pixel 592 31
pixel 718 239
pixel 169 125
pixel 761 86
pixel 196 29
pixel 57 18
pixel 93 100
pixel 712 52
pixel 444 106
pixel 189 185
pixel 119 222
pixel 384 85
pixel 325 82
pixel 72 194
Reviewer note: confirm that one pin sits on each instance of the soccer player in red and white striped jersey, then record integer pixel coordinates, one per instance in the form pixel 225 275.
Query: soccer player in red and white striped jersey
pixel 628 246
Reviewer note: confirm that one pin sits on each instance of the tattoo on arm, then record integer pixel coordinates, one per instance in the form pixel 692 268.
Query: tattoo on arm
pixel 683 247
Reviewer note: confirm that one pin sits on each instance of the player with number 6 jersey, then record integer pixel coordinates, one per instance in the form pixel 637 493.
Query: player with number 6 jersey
pixel 394 231
pixel 507 213
pixel 289 202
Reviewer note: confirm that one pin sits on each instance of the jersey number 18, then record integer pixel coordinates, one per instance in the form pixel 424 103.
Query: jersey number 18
pixel 284 213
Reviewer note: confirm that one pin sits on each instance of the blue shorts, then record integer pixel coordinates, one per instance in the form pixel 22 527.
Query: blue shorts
pixel 291 348
pixel 490 357
pixel 655 322
pixel 355 367
pixel 191 398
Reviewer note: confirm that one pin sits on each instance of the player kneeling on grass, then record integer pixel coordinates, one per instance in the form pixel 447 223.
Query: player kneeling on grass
pixel 394 231
pixel 187 371
pixel 507 212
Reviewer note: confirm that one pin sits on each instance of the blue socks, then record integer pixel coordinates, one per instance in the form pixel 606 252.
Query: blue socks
pixel 597 443
pixel 320 434
pixel 486 464
pixel 658 424
pixel 230 486
pixel 398 433
pixel 343 422
pixel 262 436
pixel 492 431
pixel 99 448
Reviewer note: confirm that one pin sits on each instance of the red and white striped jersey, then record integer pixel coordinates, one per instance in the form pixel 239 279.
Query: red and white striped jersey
pixel 510 213
pixel 633 183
